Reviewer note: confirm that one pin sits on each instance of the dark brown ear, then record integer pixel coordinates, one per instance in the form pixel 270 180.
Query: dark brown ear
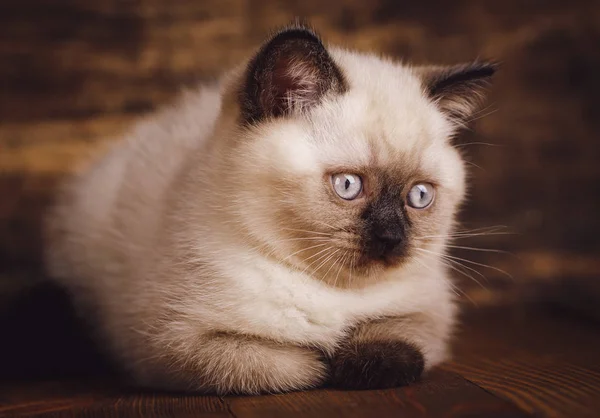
pixel 458 90
pixel 291 72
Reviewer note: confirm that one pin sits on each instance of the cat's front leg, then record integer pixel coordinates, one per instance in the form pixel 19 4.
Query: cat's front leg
pixel 390 352
pixel 226 363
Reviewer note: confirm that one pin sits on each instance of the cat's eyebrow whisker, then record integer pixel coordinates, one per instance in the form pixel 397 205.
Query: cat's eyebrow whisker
pixel 475 165
pixel 482 112
pixel 482 115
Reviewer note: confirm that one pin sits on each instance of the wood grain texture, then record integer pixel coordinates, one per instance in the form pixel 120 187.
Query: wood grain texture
pixel 80 399
pixel 439 394
pixel 545 361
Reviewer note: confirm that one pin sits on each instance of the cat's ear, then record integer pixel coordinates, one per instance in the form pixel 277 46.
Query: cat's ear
pixel 291 72
pixel 458 90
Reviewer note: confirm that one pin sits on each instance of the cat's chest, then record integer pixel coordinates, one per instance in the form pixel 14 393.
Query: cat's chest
pixel 276 303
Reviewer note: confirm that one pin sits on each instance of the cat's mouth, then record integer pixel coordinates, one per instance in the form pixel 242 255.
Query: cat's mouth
pixel 368 262
pixel 344 256
pixel 346 265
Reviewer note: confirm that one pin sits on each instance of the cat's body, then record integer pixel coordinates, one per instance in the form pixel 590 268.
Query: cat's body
pixel 210 253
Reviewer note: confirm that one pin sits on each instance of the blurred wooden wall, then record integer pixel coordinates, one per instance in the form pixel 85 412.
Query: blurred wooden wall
pixel 74 73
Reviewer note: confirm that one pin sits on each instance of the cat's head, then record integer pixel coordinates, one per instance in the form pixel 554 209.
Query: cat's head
pixel 342 163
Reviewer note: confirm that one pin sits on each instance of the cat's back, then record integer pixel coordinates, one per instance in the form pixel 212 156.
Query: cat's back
pixel 107 215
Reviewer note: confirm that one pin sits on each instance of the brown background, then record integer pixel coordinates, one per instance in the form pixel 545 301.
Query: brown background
pixel 75 73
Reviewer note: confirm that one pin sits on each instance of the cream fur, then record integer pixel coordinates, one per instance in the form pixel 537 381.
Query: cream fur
pixel 172 242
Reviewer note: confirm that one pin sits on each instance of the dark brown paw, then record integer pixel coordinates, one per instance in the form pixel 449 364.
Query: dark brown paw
pixel 376 365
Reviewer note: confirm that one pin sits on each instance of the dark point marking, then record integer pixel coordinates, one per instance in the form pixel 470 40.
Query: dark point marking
pixel 386 227
pixel 460 77
pixel 458 89
pixel 293 65
pixel 376 365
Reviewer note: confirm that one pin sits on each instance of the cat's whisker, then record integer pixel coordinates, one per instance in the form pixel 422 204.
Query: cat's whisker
pixel 351 267
pixel 476 143
pixel 335 262
pixel 443 258
pixel 460 236
pixel 454 258
pixel 455 289
pixel 310 239
pixel 274 248
pixel 450 264
pixel 480 264
pixel 487 229
pixel 325 224
pixel 326 260
pixel 491 228
pixel 322 254
pixel 454 263
pixel 308 232
pixel 318 253
pixel 304 249
pixel 345 256
pixel 487 250
pixel 331 226
pixel 474 165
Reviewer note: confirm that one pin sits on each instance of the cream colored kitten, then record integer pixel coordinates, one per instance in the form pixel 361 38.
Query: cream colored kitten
pixel 279 230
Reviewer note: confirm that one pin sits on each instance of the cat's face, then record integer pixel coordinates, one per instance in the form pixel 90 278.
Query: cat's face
pixel 345 162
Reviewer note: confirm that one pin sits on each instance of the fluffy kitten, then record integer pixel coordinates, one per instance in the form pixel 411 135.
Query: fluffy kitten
pixel 279 230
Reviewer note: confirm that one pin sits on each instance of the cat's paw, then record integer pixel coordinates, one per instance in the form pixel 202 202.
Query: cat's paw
pixel 376 365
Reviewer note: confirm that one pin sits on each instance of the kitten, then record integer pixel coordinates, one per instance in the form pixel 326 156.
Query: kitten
pixel 278 230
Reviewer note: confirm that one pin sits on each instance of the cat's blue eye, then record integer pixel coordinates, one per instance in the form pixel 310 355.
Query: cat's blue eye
pixel 421 195
pixel 347 186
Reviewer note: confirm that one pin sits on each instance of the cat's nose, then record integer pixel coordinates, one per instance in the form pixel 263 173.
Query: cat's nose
pixel 388 242
pixel 390 239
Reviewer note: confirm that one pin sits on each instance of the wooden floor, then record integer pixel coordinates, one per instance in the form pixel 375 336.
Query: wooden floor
pixel 517 362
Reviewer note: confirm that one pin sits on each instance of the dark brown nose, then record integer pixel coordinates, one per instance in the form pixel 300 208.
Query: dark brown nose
pixel 387 241
pixel 385 227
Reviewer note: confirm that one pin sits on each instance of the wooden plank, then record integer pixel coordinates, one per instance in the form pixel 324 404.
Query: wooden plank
pixel 546 362
pixel 81 399
pixel 440 394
